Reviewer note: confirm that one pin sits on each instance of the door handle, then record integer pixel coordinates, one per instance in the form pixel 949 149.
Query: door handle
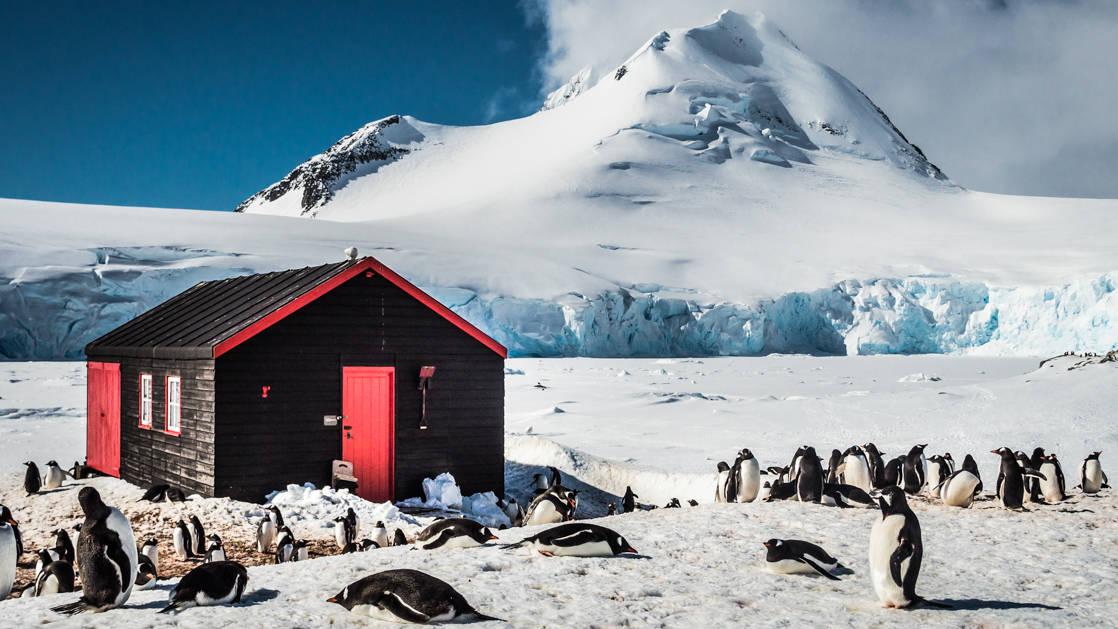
pixel 347 427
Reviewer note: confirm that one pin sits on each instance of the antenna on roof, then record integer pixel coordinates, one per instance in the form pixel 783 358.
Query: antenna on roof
pixel 351 253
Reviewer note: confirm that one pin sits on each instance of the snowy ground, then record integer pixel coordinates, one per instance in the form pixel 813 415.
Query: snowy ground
pixel 661 426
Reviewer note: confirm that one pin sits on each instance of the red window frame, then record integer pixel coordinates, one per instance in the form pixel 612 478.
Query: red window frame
pixel 167 405
pixel 151 417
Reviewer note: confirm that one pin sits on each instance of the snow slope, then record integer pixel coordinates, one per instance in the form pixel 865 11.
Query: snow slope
pixel 719 193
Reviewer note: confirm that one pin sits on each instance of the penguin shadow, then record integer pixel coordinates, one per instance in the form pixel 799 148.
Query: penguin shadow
pixel 975 604
pixel 258 596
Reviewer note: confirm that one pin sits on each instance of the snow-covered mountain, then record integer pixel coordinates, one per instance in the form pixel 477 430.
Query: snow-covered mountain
pixel 718 193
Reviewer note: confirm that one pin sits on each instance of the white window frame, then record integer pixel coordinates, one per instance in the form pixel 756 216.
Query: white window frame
pixel 147 400
pixel 174 406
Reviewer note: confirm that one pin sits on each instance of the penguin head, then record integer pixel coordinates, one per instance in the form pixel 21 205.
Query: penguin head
pixel 892 500
pixel 380 524
pixel 151 542
pixel 52 463
pixel 723 466
pixel 92 505
pixel 746 454
pixel 488 534
pixel 6 516
pixel 1094 456
pixel 621 545
pixel 343 598
pixel 772 543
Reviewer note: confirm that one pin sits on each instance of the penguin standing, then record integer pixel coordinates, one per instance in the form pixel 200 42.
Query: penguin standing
pixel 959 489
pixel 1053 487
pixel 299 550
pixel 834 467
pixel 876 464
pixel 77 472
pixel 345 528
pixel 454 533
pixel 285 545
pixel 896 551
pixel 915 470
pixel 215 550
pixel 1032 485
pixel 1011 480
pixel 749 477
pixel 794 467
pixel 950 461
pixel 856 469
pixel 184 545
pixel 150 549
pixel 64 546
pixel 380 535
pixel 577 539
pixel 514 512
pixel 106 556
pixel 721 489
pixel 970 465
pixel 809 480
pixel 540 483
pixel 218 583
pixel 54 476
pixel 1092 479
pixel 56 577
pixel 793 556
pixel 938 471
pixel 44 558
pixel 32 482
pixel 197 535
pixel 8 558
pixel 399 539
pixel 6 517
pixel 268 528
pixel 893 473
pixel 629 501
pixel 405 595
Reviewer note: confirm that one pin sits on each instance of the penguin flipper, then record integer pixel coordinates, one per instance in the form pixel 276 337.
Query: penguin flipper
pixel 442 538
pixel 820 569
pixel 395 605
pixel 902 552
pixel 585 536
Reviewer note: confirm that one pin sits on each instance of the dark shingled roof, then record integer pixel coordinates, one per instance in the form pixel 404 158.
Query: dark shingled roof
pixel 195 322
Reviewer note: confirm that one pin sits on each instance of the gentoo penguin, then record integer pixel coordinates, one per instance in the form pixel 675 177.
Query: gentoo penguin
pixel 218 583
pixel 959 489
pixel 970 465
pixel 184 545
pixel 554 477
pixel 215 550
pixel 611 509
pixel 1032 485
pixel 896 551
pixel 673 504
pixel 629 501
pixel 156 493
pixel 834 467
pixel 175 494
pixel 407 596
pixel 399 539
pixel 780 491
pixel 32 483
pixel 539 483
pixel 513 512
pixel 694 503
pixel 1053 487
pixel 54 476
pixel 809 479
pixel 8 558
pixel 285 545
pixel 146 574
pixel 938 471
pixel 856 469
pixel 554 505
pixel 893 474
pixel 44 558
pixel 7 518
pixel 56 577
pixel 345 528
pixel 1011 480
pixel 380 535
pixel 845 496
pixel 299 550
pixel 454 533
pixel 368 544
pixel 721 489
pixel 106 556
pixel 577 539
pixel 950 461
pixel 794 467
pixel 749 476
pixel 78 471
pixel 915 470
pixel 793 556
pixel 267 529
pixel 197 535
pixel 150 549
pixel 64 546
pixel 1091 477
pixel 875 463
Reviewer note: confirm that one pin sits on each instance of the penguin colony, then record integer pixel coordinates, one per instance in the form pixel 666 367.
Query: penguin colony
pixel 858 476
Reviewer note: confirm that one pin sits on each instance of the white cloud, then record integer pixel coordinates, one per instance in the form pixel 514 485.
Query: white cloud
pixel 1005 95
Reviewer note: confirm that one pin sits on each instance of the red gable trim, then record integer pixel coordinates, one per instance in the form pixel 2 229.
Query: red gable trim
pixel 365 264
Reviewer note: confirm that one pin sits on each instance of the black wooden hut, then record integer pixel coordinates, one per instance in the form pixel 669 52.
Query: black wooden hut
pixel 240 386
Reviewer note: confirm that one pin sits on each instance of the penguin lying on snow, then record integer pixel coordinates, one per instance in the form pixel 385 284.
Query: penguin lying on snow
pixel 959 489
pixel 106 556
pixel 793 556
pixel 557 504
pixel 896 552
pixel 577 539
pixel 1092 479
pixel 845 496
pixel 218 583
pixel 454 533
pixel 970 465
pixel 155 493
pixel 407 596
pixel 8 558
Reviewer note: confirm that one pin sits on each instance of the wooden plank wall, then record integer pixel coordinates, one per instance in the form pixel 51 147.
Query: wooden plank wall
pixel 153 456
pixel 264 444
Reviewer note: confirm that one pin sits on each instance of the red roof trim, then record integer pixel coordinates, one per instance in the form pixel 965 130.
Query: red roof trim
pixel 365 264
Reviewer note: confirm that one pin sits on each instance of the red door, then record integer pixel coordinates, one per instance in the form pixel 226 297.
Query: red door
pixel 369 429
pixel 102 417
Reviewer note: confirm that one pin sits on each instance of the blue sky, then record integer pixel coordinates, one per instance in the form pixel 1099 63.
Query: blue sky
pixel 201 104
